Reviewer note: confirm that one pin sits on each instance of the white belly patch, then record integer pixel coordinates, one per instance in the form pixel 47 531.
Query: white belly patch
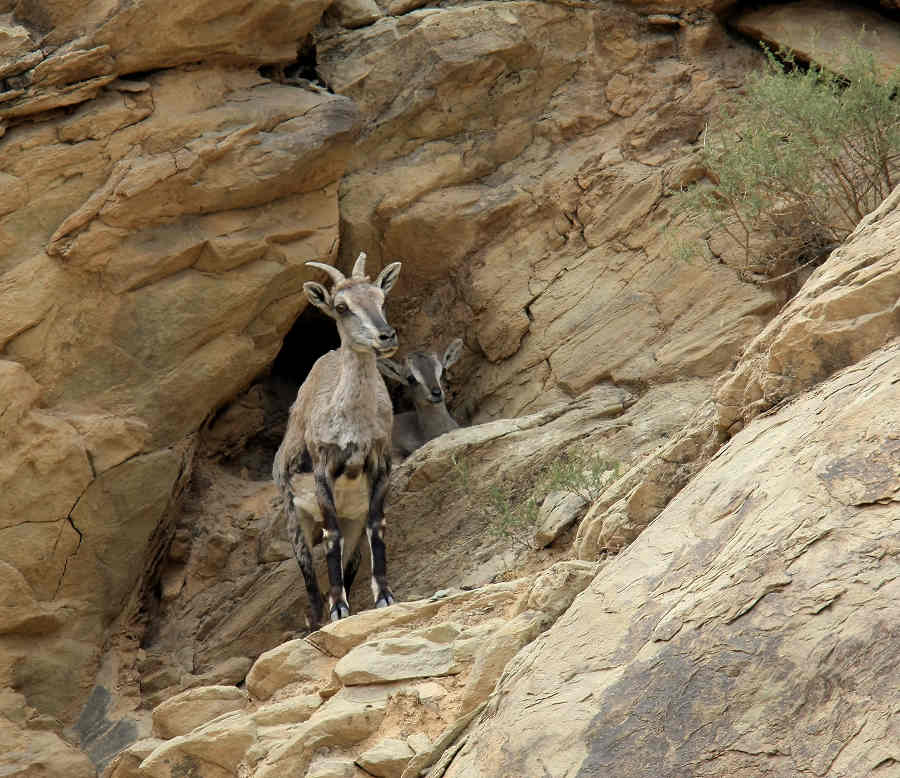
pixel 351 496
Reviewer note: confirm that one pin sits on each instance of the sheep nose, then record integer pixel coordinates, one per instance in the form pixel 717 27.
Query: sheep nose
pixel 388 336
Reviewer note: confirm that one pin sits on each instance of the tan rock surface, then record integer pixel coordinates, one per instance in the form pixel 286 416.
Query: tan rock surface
pixel 525 193
pixel 606 420
pixel 847 309
pixel 214 750
pixel 186 711
pixel 737 619
pixel 387 758
pixel 821 31
pixel 516 157
pixel 38 754
pixel 151 252
pixel 63 52
pixel 297 661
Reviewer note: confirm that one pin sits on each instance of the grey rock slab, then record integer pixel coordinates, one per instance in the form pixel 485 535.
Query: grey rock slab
pixel 387 758
pixel 396 659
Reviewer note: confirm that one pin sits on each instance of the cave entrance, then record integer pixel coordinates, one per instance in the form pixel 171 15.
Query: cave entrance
pixel 266 404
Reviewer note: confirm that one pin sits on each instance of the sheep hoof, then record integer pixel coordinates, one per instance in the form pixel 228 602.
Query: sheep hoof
pixel 340 610
pixel 384 599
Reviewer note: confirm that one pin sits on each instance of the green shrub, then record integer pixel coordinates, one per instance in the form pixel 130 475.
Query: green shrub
pixel 799 158
pixel 510 510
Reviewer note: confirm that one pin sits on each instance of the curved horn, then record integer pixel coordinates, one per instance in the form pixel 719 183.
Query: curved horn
pixel 336 275
pixel 359 267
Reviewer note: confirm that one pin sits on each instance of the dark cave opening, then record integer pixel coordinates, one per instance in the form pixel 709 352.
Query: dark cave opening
pixel 301 70
pixel 260 414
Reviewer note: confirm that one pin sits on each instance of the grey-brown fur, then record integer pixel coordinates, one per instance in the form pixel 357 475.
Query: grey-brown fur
pixel 340 427
pixel 421 373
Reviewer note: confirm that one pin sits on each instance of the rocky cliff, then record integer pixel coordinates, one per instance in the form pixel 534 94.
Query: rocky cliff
pixel 166 171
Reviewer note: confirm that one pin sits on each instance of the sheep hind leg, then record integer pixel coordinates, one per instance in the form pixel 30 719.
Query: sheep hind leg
pixel 313 593
pixel 303 554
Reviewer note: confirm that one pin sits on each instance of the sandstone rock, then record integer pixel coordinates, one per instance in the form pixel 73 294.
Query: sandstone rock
pixel 293 710
pixel 553 590
pixel 104 728
pixel 444 748
pixel 630 503
pixel 542 273
pixel 558 512
pixel 493 656
pixel 115 518
pixel 830 323
pixel 428 694
pixel 152 235
pixel 50 74
pixel 396 659
pixel 419 742
pixel 115 346
pixel 332 768
pixel 127 763
pixel 386 759
pixel 33 754
pixel 354 13
pixel 21 612
pixel 549 596
pixel 821 32
pixel 297 661
pixel 186 711
pixel 511 453
pixel 340 637
pixel 214 750
pixel 342 721
pixel 739 604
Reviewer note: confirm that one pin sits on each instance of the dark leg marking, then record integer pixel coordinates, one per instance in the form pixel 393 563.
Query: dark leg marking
pixel 313 593
pixel 381 592
pixel 337 598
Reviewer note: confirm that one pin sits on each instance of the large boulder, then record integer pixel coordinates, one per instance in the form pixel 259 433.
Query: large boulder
pixel 58 52
pixel 750 629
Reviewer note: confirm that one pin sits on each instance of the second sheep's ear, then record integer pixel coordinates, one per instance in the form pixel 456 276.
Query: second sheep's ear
pixel 388 277
pixel 392 370
pixel 318 295
pixel 452 353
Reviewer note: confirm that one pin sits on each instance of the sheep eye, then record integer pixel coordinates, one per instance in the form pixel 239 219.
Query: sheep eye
pixel 412 380
pixel 341 308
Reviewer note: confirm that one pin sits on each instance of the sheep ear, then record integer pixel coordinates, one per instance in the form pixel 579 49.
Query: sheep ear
pixel 388 277
pixel 392 370
pixel 452 353
pixel 318 296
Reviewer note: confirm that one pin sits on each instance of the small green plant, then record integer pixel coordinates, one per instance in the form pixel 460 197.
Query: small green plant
pixel 511 512
pixel 581 473
pixel 509 518
pixel 799 158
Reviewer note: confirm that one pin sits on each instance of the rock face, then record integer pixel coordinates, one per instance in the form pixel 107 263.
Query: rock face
pixel 320 706
pixel 742 614
pixel 821 31
pixel 153 231
pixel 846 310
pixel 516 157
pixel 158 198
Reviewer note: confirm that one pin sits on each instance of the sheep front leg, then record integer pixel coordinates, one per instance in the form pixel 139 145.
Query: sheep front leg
pixel 375 526
pixel 334 546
